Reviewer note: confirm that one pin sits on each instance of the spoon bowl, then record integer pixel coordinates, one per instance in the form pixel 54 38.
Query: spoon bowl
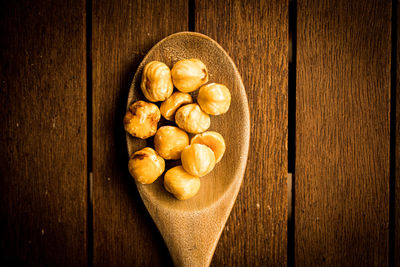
pixel 191 228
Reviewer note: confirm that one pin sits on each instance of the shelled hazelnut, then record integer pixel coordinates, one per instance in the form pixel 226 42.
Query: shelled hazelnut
pixel 198 159
pixel 214 98
pixel 192 119
pixel 156 82
pixel 180 183
pixel 141 119
pixel 213 140
pixel 173 103
pixel 189 74
pixel 169 142
pixel 146 165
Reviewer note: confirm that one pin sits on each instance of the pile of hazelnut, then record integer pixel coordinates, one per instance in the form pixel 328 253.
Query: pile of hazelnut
pixel 205 149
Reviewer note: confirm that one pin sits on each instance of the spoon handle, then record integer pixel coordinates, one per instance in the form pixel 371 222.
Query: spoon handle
pixel 191 237
pixel 191 242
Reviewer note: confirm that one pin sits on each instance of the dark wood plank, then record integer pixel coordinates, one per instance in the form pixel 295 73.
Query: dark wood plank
pixel 255 34
pixel 123 32
pixel 43 133
pixel 342 133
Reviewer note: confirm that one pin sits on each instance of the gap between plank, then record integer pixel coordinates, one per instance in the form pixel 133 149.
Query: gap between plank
pixel 392 155
pixel 291 131
pixel 192 15
pixel 89 133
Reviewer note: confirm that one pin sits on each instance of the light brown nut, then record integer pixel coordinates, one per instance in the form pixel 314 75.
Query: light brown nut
pixel 198 159
pixel 156 82
pixel 214 98
pixel 169 142
pixel 180 183
pixel 141 119
pixel 189 74
pixel 192 119
pixel 172 103
pixel 146 165
pixel 213 140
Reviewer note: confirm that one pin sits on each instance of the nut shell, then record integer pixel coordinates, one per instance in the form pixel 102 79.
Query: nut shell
pixel 141 119
pixel 146 165
pixel 156 82
pixel 173 103
pixel 213 140
pixel 214 98
pixel 198 159
pixel 192 119
pixel 189 74
pixel 180 183
pixel 169 142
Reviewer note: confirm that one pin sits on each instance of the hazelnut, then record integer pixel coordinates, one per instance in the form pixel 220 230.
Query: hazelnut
pixel 214 98
pixel 146 165
pixel 192 119
pixel 213 140
pixel 198 159
pixel 189 74
pixel 169 142
pixel 156 81
pixel 141 119
pixel 172 103
pixel 180 183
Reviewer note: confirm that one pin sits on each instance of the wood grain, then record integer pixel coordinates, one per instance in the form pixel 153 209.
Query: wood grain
pixel 342 133
pixel 43 133
pixel 255 35
pixel 123 32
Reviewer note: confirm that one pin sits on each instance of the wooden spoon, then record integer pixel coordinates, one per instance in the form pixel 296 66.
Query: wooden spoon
pixel 191 228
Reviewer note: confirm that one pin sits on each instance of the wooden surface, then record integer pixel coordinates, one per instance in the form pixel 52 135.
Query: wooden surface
pixel 123 231
pixel 191 228
pixel 257 40
pixel 43 133
pixel 342 133
pixel 342 127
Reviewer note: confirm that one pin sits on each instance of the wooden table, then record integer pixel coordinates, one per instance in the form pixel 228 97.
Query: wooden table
pixel 321 79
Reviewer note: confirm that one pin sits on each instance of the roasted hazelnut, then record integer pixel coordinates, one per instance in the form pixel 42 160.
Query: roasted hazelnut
pixel 192 119
pixel 198 159
pixel 146 165
pixel 180 183
pixel 189 74
pixel 172 103
pixel 141 119
pixel 214 98
pixel 213 140
pixel 156 81
pixel 169 142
